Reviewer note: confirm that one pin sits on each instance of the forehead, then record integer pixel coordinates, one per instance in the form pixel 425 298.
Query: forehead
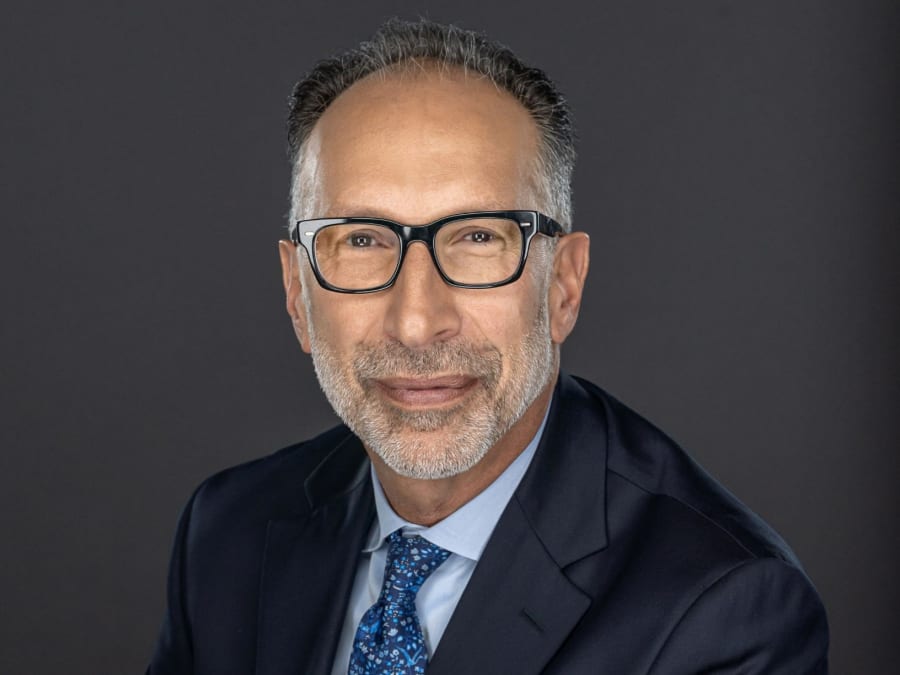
pixel 422 143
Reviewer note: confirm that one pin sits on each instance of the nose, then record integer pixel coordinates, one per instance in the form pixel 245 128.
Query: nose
pixel 422 308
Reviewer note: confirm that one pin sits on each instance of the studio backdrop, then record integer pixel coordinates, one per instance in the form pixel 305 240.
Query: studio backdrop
pixel 738 176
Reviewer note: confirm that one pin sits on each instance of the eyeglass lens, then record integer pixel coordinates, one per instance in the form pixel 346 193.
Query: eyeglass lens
pixel 360 256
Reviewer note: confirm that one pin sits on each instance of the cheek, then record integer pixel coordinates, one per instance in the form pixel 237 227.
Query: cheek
pixel 504 318
pixel 342 321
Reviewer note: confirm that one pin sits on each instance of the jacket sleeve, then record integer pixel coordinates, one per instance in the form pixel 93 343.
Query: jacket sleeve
pixel 763 616
pixel 173 654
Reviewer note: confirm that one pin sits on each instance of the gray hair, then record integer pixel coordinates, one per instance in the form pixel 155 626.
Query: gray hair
pixel 400 43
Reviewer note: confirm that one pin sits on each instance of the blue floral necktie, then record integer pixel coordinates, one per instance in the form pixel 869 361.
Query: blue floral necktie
pixel 389 639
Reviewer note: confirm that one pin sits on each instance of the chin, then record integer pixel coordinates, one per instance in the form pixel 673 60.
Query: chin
pixel 428 458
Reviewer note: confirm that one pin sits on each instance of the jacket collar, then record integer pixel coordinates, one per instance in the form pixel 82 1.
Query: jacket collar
pixel 342 471
pixel 567 479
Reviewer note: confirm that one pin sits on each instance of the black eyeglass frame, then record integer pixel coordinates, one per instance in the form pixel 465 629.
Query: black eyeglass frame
pixel 304 232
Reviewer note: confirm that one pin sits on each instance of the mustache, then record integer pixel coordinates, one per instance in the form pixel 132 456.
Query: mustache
pixel 393 359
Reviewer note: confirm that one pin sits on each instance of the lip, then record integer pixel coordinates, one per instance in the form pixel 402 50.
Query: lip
pixel 416 392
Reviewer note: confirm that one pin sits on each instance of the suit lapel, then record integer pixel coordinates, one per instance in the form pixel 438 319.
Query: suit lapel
pixel 309 567
pixel 520 605
pixel 516 611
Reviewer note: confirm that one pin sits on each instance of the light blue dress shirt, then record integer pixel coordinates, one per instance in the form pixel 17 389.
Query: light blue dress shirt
pixel 464 533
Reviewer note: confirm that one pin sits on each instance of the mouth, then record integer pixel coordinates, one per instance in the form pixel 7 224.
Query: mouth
pixel 426 392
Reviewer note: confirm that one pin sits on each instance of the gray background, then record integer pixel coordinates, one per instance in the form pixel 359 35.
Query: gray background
pixel 739 176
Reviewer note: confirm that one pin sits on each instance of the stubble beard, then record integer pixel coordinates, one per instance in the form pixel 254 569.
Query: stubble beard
pixel 436 443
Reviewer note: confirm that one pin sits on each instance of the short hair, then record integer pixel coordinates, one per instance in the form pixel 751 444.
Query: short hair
pixel 398 43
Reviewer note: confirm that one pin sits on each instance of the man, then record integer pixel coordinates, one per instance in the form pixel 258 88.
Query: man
pixel 479 512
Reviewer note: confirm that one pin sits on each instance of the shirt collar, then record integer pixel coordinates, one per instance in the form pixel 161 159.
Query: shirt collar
pixel 466 531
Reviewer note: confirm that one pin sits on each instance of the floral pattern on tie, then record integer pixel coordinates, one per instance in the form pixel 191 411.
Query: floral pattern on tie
pixel 389 639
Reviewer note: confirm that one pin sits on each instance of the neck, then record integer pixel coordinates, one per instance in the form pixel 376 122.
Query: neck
pixel 425 502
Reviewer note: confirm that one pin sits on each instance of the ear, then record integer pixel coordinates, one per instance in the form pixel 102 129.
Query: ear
pixel 290 276
pixel 570 268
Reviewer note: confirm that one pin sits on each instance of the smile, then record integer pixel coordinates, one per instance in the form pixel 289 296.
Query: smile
pixel 415 392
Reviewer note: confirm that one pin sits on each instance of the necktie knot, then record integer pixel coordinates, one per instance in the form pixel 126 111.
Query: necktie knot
pixel 410 561
pixel 389 638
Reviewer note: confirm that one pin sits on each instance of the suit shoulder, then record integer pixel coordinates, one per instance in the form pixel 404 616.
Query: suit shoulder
pixel 763 611
pixel 641 457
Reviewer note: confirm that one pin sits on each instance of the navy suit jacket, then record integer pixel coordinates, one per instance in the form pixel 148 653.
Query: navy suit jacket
pixel 617 555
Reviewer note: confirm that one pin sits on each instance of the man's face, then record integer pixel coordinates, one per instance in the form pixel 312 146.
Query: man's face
pixel 429 376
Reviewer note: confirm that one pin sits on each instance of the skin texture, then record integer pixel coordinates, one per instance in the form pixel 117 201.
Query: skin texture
pixel 415 146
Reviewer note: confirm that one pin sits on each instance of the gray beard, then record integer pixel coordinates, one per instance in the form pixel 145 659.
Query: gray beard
pixel 432 444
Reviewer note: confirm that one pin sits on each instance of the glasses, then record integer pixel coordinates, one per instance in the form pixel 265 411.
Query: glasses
pixel 484 249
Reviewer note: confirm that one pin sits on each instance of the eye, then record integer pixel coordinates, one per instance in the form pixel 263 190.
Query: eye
pixel 369 237
pixel 480 236
pixel 360 240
